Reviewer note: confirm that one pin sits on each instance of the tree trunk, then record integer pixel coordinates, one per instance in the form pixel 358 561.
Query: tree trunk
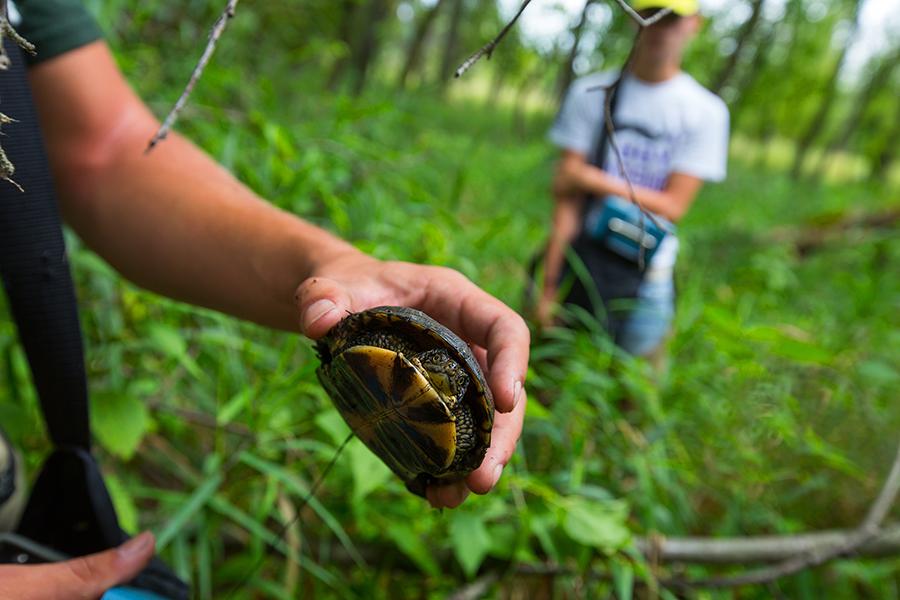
pixel 414 52
pixel 522 93
pixel 345 34
pixel 828 97
pixel 366 48
pixel 565 77
pixel 761 61
pixel 743 36
pixel 882 163
pixel 756 67
pixel 879 79
pixel 451 41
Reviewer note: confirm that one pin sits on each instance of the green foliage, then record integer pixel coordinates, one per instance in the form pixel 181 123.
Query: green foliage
pixel 777 413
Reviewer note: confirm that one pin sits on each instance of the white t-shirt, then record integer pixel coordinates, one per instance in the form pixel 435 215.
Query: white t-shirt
pixel 661 128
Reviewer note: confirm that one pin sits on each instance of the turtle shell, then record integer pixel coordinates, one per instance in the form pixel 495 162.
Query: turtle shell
pixel 411 390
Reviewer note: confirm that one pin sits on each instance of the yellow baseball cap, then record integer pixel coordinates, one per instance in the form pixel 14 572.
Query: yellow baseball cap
pixel 683 8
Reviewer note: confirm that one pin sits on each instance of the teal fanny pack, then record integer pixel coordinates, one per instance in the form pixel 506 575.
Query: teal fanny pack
pixel 621 227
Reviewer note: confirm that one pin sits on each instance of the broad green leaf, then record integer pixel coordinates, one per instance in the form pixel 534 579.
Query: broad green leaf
pixel 369 473
pixel 535 410
pixel 878 372
pixel 119 422
pixel 171 343
pixel 168 340
pixel 412 545
pixel 470 540
pixel 597 524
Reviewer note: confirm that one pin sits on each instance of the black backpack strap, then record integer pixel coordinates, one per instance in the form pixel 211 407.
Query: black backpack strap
pixel 603 139
pixel 35 269
pixel 69 509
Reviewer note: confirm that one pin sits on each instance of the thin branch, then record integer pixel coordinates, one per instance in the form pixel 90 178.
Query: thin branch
pixel 217 29
pixel 477 589
pixel 762 548
pixel 868 530
pixel 641 21
pixel 200 418
pixel 488 49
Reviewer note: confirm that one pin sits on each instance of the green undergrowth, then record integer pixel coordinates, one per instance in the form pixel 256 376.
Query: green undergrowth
pixel 777 413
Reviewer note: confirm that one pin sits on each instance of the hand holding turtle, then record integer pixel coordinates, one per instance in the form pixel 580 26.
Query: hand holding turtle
pixel 352 282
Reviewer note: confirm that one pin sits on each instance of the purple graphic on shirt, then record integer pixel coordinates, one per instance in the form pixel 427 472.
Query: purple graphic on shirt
pixel 647 160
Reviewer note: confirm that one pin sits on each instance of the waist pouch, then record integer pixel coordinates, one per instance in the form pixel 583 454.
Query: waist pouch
pixel 621 226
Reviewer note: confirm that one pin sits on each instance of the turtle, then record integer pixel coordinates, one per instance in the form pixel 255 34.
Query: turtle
pixel 411 390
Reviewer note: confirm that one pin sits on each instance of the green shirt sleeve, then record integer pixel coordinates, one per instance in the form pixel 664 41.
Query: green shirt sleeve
pixel 55 27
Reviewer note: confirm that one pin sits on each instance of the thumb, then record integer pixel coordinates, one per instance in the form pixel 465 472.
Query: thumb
pixel 322 303
pixel 90 576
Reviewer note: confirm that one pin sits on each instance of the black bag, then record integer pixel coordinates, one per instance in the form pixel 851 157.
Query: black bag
pixel 69 510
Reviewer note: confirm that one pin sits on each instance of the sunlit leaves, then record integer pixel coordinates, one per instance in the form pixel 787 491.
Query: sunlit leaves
pixel 119 421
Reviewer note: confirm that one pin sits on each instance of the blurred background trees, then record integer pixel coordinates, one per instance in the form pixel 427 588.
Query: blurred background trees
pixel 811 83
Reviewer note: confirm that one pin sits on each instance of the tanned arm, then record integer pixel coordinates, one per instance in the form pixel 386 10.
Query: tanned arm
pixel 172 220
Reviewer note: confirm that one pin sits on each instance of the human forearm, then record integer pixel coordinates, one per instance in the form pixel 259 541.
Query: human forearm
pixel 175 222
pixel 566 213
pixel 586 178
pixel 171 220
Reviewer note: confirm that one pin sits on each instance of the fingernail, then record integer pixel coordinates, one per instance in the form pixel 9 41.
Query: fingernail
pixel 316 311
pixel 136 545
pixel 498 471
pixel 517 391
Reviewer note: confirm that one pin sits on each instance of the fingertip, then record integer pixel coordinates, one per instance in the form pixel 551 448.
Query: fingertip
pixel 319 318
pixel 484 478
pixel 321 303
pixel 507 394
pixel 447 496
pixel 431 497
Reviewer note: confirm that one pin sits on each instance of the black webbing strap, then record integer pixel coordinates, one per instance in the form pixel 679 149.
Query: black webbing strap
pixel 69 509
pixel 35 269
pixel 603 138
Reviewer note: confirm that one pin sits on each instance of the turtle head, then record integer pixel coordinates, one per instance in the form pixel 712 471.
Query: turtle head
pixel 444 373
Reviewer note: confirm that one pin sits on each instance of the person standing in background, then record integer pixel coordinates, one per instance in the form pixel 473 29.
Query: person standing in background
pixel 673 136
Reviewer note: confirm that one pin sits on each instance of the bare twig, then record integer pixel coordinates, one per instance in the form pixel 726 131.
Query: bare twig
pixel 641 21
pixel 200 418
pixel 488 48
pixel 477 589
pixel 8 31
pixel 762 549
pixel 868 530
pixel 214 34
pixel 292 570
pixel 7 169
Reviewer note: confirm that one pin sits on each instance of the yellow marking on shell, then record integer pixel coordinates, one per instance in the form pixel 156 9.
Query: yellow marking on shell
pixel 386 365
